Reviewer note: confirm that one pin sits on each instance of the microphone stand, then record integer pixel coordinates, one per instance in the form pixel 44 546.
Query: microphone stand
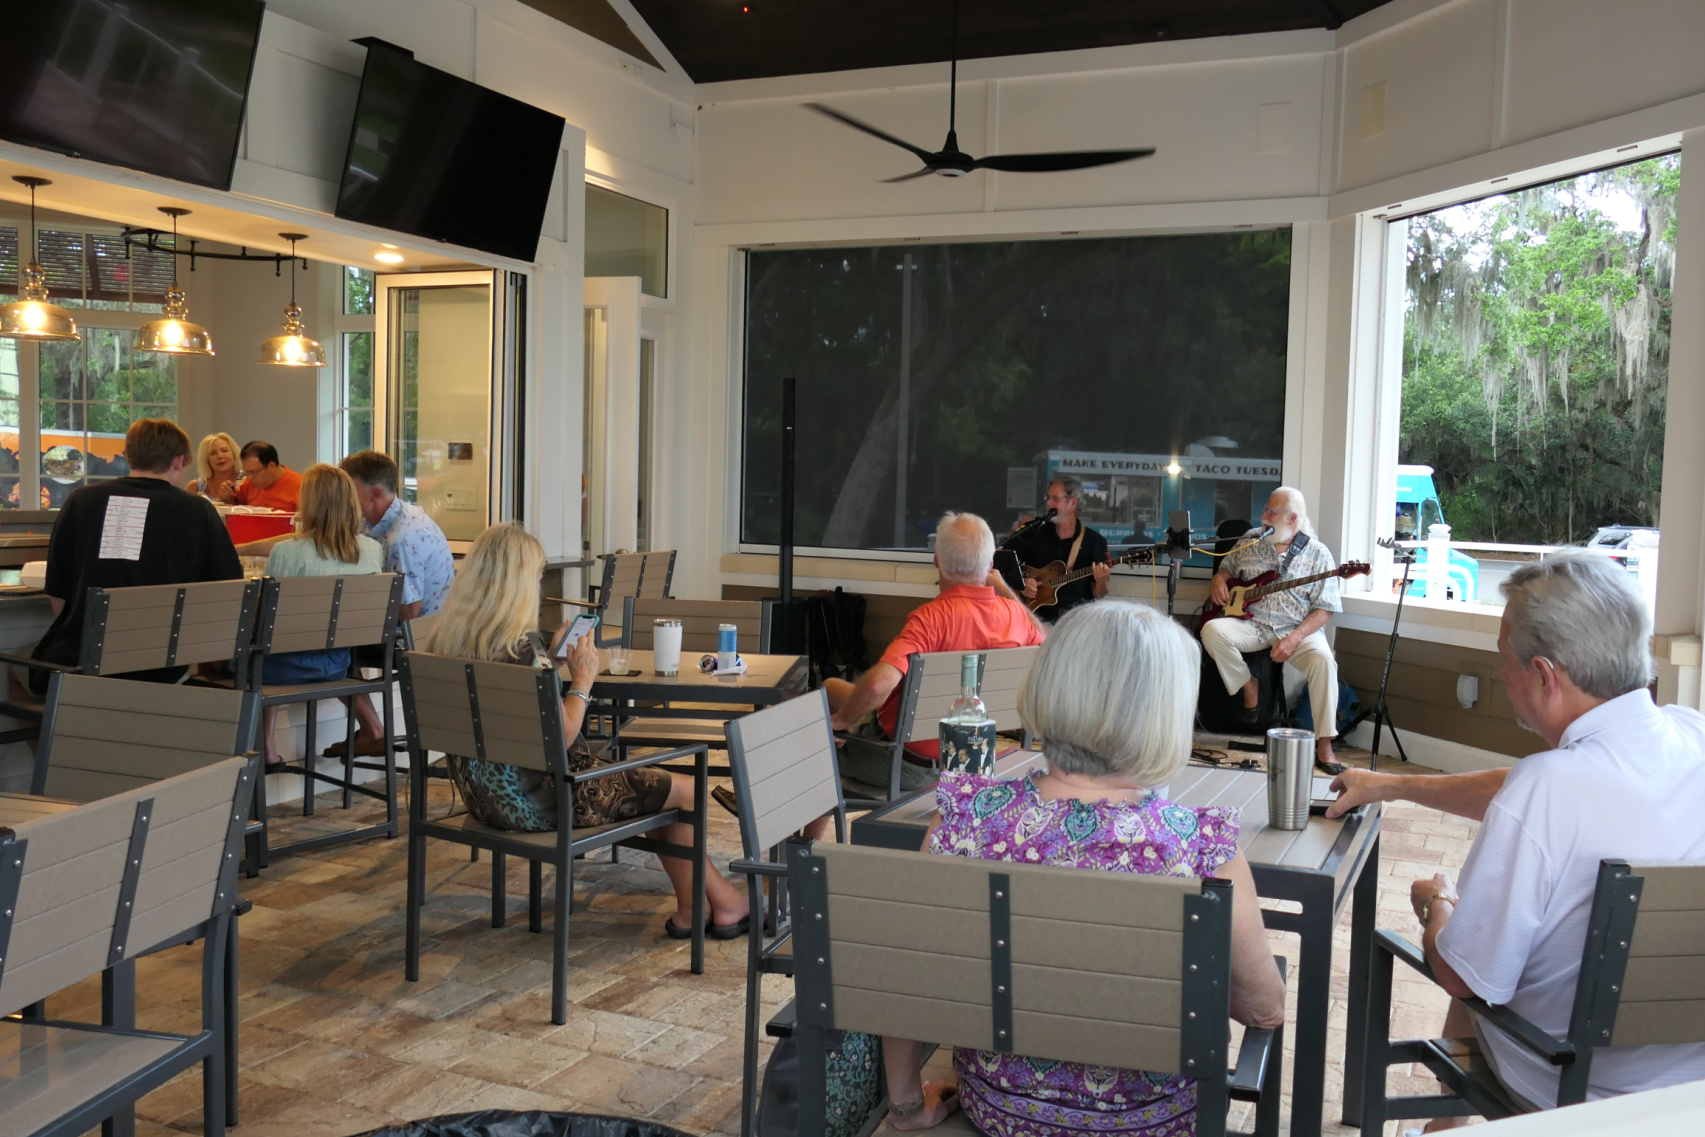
pixel 1379 712
pixel 1176 550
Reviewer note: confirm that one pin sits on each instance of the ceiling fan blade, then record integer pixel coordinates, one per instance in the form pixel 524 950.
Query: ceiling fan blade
pixel 1063 160
pixel 923 173
pixel 849 120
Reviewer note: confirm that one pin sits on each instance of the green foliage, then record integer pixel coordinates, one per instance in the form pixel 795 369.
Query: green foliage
pixel 1536 357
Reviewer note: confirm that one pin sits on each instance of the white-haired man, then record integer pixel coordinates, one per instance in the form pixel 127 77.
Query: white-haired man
pixel 1623 779
pixel 1288 622
pixel 974 611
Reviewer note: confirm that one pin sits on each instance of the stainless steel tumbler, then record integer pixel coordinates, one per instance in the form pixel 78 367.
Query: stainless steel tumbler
pixel 1290 777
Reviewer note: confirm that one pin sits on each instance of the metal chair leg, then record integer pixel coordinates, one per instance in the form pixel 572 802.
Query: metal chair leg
pixel 310 764
pixel 499 888
pixel 559 948
pixel 535 898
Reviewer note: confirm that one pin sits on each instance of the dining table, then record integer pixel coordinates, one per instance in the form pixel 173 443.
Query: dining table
pixel 769 679
pixel 1321 869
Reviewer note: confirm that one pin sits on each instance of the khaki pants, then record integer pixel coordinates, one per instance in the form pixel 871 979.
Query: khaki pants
pixel 1227 640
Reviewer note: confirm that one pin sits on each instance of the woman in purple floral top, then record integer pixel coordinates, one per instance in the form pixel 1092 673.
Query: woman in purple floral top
pixel 1111 699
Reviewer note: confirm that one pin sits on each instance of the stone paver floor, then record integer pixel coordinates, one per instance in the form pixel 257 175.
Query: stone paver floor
pixel 335 1042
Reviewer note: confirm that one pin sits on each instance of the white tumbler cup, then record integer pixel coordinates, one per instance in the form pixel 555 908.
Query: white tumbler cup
pixel 666 647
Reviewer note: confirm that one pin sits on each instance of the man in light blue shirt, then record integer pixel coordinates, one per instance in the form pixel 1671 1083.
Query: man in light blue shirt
pixel 415 549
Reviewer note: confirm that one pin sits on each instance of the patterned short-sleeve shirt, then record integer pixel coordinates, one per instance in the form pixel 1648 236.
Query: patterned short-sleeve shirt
pixel 416 548
pixel 1008 1095
pixel 1281 612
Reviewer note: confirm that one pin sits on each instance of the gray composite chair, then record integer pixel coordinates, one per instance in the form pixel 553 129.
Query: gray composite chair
pixel 85 891
pixel 102 737
pixel 783 763
pixel 646 575
pixel 1642 983
pixel 149 628
pixel 930 687
pixel 509 713
pixel 1108 969
pixel 321 613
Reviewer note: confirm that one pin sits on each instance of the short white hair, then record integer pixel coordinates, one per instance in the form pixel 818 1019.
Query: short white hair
pixel 964 548
pixel 1297 504
pixel 1113 691
pixel 1584 614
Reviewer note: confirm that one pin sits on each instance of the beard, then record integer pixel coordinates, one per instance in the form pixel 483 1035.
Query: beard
pixel 1280 534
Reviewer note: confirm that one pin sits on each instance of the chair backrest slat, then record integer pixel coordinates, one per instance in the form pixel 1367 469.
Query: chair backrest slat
pixel 657 575
pixel 301 619
pixel 937 684
pixel 623 575
pixel 699 623
pixel 131 629
pixel 1096 959
pixel 520 721
pixel 106 736
pixel 74 866
pixel 1663 989
pixel 783 758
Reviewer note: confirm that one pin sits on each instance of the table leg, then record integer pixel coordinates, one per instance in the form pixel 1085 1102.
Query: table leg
pixel 1364 907
pixel 1314 1000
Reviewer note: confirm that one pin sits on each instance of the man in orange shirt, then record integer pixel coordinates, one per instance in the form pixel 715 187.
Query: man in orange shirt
pixel 266 483
pixel 975 611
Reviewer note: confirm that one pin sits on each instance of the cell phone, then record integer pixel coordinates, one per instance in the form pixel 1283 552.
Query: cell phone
pixel 582 625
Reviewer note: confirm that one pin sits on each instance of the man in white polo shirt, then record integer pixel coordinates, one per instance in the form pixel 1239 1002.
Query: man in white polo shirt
pixel 1624 779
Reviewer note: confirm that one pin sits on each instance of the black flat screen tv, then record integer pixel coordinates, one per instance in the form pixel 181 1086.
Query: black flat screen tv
pixel 155 85
pixel 436 156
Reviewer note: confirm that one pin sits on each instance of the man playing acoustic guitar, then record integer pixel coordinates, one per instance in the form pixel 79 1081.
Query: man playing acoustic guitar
pixel 1288 622
pixel 1072 544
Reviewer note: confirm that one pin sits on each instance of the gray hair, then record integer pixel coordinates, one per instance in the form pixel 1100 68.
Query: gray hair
pixel 1113 691
pixel 964 548
pixel 1297 504
pixel 1585 615
pixel 1070 486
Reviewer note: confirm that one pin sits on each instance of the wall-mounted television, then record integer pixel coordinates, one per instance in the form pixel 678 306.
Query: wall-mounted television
pixel 436 156
pixel 156 85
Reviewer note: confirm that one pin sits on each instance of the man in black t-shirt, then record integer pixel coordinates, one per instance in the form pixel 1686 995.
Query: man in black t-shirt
pixel 1060 541
pixel 139 529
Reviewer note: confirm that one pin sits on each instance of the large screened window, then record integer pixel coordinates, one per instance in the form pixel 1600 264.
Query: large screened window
pixel 1536 371
pixel 962 376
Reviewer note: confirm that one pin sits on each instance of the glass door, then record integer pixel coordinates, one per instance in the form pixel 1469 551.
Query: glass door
pixel 435 390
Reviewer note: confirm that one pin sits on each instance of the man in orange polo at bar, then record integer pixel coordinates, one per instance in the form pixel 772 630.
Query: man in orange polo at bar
pixel 265 483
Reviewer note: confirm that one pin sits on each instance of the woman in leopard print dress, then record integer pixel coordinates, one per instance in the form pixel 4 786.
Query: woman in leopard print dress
pixel 492 613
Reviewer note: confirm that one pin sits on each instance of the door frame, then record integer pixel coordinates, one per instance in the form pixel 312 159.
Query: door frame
pixel 499 392
pixel 613 477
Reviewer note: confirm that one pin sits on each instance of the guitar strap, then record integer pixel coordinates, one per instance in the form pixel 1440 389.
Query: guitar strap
pixel 1298 544
pixel 1071 558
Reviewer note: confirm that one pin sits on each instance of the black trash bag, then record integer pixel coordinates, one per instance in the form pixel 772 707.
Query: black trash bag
pixel 855 1085
pixel 526 1123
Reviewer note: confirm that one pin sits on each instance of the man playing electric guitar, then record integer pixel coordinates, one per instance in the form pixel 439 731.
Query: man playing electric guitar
pixel 1070 542
pixel 1288 622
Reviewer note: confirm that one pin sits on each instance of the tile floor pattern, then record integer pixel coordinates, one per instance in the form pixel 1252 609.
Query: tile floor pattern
pixel 335 1042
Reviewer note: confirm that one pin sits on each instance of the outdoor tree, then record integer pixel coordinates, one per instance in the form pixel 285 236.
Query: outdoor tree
pixel 1536 355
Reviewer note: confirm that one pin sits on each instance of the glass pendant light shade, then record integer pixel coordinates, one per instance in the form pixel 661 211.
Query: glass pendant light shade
pixel 293 349
pixel 173 333
pixel 32 317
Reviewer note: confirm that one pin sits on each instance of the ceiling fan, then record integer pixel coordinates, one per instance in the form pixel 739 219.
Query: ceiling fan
pixel 952 162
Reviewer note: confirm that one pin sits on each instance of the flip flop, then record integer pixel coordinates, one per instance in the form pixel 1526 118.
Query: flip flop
pixel 1333 768
pixel 715 931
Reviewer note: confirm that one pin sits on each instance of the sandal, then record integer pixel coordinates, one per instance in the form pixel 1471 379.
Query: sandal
pixel 715 931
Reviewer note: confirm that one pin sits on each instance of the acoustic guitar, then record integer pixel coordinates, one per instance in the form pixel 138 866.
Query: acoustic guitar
pixel 1245 592
pixel 1052 577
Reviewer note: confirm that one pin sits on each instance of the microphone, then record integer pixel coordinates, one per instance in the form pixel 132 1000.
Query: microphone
pixel 1266 530
pixel 1029 525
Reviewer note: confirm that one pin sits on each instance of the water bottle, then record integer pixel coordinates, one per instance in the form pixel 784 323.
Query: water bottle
pixel 967 733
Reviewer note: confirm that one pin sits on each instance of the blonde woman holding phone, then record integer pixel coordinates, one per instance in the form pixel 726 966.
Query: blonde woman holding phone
pixel 492 613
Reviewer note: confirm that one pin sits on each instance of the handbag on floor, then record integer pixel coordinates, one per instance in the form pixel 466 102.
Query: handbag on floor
pixel 855 1085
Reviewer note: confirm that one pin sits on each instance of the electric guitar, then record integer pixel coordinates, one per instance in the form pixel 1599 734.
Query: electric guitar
pixel 1053 576
pixel 1247 592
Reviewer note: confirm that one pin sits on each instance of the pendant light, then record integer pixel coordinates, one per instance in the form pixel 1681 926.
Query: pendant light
pixel 293 349
pixel 32 317
pixel 173 334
